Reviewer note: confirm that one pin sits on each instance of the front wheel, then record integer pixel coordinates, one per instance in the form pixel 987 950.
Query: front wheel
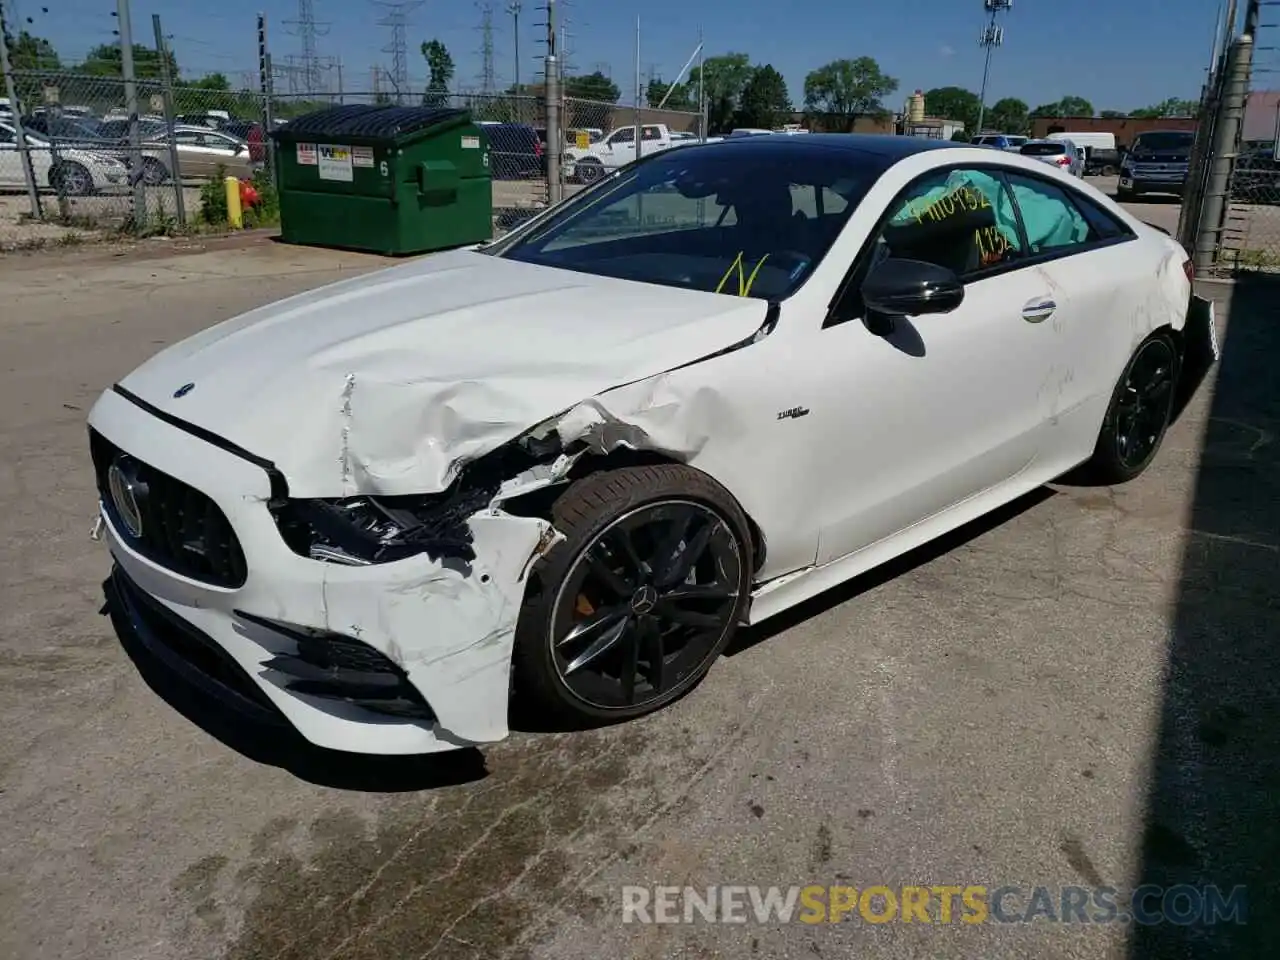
pixel 154 172
pixel 1139 413
pixel 631 610
pixel 72 179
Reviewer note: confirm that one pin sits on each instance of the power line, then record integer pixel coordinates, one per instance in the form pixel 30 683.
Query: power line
pixel 397 19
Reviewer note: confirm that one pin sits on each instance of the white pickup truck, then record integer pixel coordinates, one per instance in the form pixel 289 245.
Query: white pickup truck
pixel 589 164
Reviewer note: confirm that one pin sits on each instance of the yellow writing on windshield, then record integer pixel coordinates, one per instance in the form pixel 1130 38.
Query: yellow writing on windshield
pixel 744 281
pixel 965 199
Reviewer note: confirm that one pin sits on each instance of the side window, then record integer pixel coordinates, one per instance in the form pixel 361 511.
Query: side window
pixel 7 135
pixel 1102 224
pixel 1054 219
pixel 626 135
pixel 960 219
pixel 652 133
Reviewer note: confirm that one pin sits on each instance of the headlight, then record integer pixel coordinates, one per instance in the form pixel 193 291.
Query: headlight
pixel 358 531
pixel 363 530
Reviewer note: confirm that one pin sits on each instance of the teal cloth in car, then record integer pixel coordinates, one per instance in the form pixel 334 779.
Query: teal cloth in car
pixel 1048 222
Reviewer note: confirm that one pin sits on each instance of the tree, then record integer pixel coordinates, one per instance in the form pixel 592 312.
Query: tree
pixel 953 103
pixel 680 97
pixel 105 61
pixel 764 101
pixel 1113 114
pixel 848 89
pixel 1008 115
pixel 1173 107
pixel 592 86
pixel 723 80
pixel 33 53
pixel 1068 106
pixel 441 69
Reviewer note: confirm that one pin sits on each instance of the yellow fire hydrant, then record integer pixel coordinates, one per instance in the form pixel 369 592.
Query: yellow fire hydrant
pixel 235 216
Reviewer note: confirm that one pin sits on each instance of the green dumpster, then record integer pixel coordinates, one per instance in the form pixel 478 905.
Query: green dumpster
pixel 386 179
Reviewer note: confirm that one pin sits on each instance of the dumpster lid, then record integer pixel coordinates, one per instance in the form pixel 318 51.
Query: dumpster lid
pixel 366 122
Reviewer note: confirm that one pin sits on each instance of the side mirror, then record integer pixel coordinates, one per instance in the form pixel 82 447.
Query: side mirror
pixel 898 288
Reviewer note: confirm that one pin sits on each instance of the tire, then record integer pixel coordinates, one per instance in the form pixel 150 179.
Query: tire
pixel 154 172
pixel 1110 170
pixel 1139 412
pixel 71 178
pixel 592 618
pixel 1125 196
pixel 589 171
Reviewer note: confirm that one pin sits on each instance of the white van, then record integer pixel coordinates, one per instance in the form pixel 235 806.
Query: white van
pixel 1090 140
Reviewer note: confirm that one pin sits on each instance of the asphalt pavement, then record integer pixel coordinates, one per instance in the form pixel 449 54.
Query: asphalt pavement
pixel 1076 692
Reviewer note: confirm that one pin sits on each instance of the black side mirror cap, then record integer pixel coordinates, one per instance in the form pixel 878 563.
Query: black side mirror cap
pixel 898 288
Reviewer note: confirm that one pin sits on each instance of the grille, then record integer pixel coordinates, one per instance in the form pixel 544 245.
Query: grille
pixel 182 529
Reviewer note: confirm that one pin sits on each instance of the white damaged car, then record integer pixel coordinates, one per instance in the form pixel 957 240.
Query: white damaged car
pixel 571 463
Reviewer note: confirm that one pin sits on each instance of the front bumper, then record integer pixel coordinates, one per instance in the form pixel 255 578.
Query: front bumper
pixel 447 627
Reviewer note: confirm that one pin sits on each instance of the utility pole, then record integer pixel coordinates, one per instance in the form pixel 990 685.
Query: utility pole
pixel 28 174
pixel 702 89
pixel 513 8
pixel 637 96
pixel 166 83
pixel 992 37
pixel 131 108
pixel 551 91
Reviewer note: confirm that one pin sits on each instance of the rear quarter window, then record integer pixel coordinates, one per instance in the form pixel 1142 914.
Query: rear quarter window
pixel 1042 149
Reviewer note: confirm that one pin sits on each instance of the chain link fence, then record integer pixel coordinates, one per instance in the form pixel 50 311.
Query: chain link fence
pixel 70 167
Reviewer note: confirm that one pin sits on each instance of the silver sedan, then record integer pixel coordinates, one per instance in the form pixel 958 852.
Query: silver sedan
pixel 1063 154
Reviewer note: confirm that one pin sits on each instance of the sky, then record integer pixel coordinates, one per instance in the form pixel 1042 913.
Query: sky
pixel 1124 55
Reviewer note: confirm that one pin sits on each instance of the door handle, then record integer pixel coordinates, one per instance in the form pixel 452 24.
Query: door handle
pixel 1035 311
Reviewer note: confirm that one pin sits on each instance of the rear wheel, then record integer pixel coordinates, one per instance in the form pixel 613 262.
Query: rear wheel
pixel 1139 413
pixel 633 607
pixel 589 171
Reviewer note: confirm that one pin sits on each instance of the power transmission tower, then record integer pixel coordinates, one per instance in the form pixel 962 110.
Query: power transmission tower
pixel 488 84
pixel 397 19
pixel 307 28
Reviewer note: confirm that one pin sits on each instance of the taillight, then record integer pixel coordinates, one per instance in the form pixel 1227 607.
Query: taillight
pixel 1189 269
pixel 1064 161
pixel 537 149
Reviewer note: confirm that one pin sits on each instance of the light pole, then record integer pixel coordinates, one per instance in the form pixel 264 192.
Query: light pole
pixel 513 8
pixel 992 37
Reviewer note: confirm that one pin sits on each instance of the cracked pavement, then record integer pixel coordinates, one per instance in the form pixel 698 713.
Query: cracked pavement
pixel 988 710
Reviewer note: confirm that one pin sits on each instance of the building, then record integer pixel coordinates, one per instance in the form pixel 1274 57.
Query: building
pixel 1262 115
pixel 1124 128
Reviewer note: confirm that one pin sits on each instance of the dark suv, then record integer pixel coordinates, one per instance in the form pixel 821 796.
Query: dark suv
pixel 515 151
pixel 1157 162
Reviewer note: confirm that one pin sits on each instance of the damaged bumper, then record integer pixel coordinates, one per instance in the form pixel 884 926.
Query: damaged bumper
pixel 409 656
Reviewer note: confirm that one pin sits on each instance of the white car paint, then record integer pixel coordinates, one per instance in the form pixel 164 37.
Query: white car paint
pixel 390 383
pixel 103 170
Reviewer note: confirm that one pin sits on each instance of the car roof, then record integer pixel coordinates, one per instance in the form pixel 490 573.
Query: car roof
pixel 886 147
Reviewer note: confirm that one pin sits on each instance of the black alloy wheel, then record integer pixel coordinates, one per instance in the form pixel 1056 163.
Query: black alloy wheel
pixel 1139 413
pixel 631 609
pixel 1144 403
pixel 646 604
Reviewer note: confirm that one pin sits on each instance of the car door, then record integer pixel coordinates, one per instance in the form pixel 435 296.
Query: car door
pixel 947 404
pixel 229 151
pixel 620 147
pixel 1086 257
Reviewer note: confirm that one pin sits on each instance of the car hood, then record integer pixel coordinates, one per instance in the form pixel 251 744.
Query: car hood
pixel 388 383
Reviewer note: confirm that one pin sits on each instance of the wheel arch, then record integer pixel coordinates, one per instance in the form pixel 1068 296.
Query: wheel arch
pixel 540 502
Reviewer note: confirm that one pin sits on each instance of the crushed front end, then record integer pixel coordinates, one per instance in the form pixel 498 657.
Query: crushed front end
pixel 372 625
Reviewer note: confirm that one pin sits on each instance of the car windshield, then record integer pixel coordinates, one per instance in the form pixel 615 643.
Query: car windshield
pixel 739 221
pixel 1154 142
pixel 1042 149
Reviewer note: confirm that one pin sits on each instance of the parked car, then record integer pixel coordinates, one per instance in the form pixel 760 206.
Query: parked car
pixel 1000 141
pixel 1157 161
pixel 201 152
pixel 516 151
pixel 375 510
pixel 1062 154
pixel 70 169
